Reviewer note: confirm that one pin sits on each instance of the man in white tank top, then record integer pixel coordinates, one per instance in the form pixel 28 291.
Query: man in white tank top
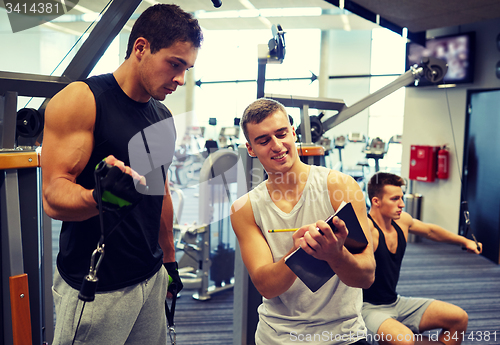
pixel 297 195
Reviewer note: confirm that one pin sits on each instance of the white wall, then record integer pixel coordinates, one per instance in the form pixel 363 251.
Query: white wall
pixel 428 121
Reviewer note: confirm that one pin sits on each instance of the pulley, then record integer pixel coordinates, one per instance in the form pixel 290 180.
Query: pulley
pixel 434 69
pixel 29 123
pixel 316 127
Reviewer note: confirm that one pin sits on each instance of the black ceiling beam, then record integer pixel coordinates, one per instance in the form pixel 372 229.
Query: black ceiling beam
pixel 31 85
pixel 417 37
pixel 351 6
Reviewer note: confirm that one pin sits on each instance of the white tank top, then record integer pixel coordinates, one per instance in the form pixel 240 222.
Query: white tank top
pixel 331 315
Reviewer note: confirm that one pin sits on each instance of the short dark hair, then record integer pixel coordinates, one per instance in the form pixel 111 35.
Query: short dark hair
pixel 163 25
pixel 258 111
pixel 380 180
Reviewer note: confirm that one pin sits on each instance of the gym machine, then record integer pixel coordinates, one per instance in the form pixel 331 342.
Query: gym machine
pixel 199 265
pixel 339 143
pixel 228 137
pixel 189 156
pixel 22 304
pixel 376 149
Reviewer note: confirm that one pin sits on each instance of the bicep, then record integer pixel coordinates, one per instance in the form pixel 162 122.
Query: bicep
pixel 418 227
pixel 68 133
pixel 254 249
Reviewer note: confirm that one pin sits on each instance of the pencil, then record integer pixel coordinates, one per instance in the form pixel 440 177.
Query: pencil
pixel 293 230
pixel 283 230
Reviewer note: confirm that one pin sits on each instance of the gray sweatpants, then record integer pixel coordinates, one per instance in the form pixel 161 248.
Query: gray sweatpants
pixel 133 315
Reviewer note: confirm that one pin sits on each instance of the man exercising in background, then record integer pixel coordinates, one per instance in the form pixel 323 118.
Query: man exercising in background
pixel 392 317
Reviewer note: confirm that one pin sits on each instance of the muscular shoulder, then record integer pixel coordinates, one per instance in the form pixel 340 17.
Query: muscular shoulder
pixel 343 187
pixel 340 181
pixel 404 222
pixel 241 209
pixel 76 91
pixel 72 106
pixel 241 204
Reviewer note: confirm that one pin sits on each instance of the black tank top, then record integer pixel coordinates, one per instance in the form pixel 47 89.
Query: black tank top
pixel 383 290
pixel 132 252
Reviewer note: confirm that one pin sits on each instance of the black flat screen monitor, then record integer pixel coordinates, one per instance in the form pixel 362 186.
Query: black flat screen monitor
pixel 457 50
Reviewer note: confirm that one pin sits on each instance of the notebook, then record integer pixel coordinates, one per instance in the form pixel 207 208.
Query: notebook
pixel 314 273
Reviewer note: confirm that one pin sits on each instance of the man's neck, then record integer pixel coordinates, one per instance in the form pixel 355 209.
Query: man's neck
pixel 385 223
pixel 291 182
pixel 127 78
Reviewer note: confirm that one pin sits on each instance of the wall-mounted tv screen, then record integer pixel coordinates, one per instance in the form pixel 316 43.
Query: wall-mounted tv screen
pixel 457 50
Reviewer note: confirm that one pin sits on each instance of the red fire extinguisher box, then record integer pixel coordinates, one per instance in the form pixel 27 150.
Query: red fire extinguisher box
pixel 423 161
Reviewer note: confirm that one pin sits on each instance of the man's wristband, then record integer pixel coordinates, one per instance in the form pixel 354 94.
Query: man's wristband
pixel 171 266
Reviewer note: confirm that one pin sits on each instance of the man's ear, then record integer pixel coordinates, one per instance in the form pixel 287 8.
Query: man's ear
pixel 375 201
pixel 250 150
pixel 140 46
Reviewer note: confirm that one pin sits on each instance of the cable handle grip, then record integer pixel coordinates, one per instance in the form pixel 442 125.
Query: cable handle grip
pixel 468 227
pixel 103 168
pixel 170 317
pixel 117 189
pixel 89 284
pixel 88 288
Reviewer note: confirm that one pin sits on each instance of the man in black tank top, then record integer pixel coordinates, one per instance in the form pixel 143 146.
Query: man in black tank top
pixel 389 317
pixel 99 119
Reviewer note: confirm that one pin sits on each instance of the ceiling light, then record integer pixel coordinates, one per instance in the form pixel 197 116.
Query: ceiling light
pixel 248 13
pixel 291 12
pixel 446 86
pixel 267 12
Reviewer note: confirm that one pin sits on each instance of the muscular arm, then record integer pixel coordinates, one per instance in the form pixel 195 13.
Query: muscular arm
pixel 270 278
pixel 67 145
pixel 166 236
pixel 436 233
pixel 356 270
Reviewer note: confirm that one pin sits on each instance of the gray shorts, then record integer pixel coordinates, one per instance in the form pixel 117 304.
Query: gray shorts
pixel 407 310
pixel 134 315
